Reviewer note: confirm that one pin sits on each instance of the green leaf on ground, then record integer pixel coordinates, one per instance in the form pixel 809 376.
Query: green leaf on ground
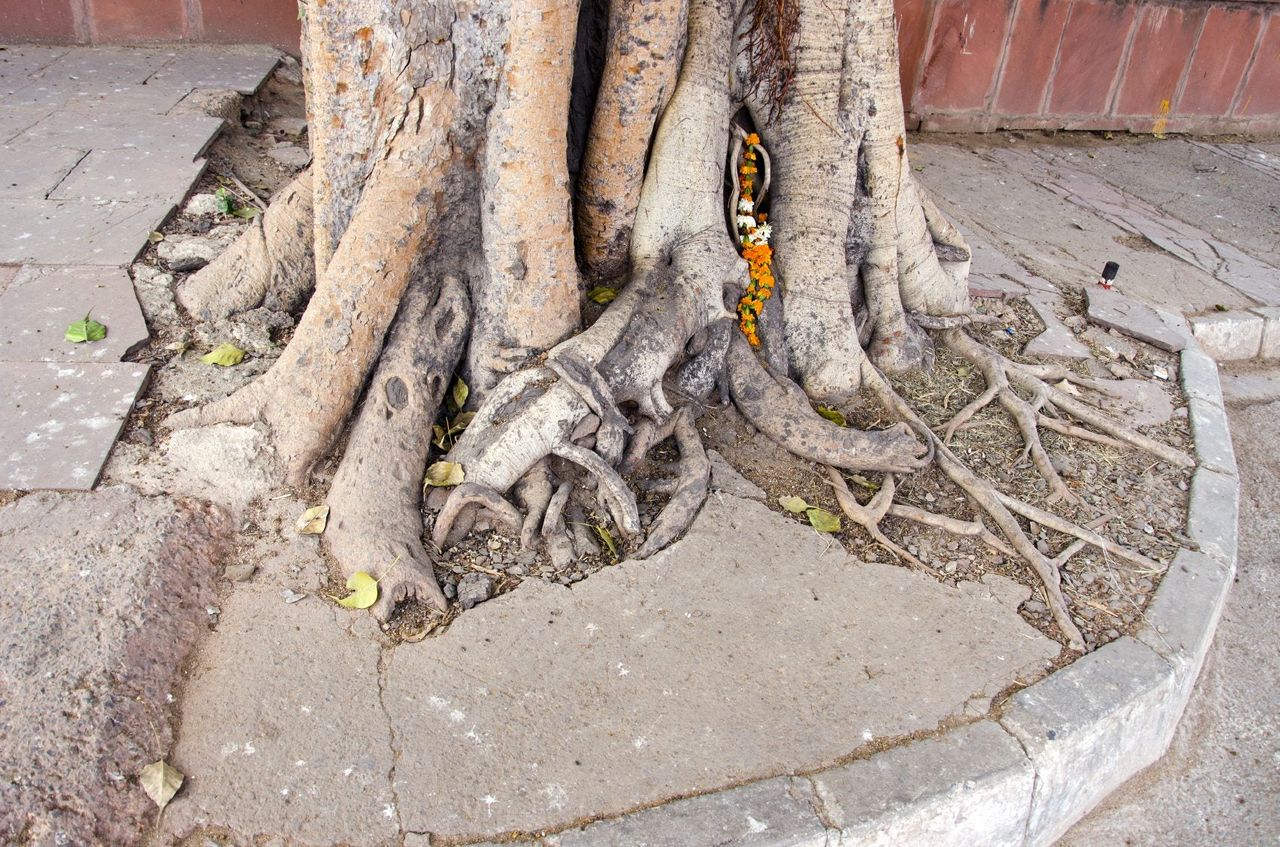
pixel 155 237
pixel 247 212
pixel 832 415
pixel 161 781
pixel 313 520
pixel 225 355
pixel 822 520
pixel 364 592
pixel 795 505
pixel 458 396
pixel 600 294
pixel 864 482
pixel 444 475
pixel 607 538
pixel 85 330
pixel 226 201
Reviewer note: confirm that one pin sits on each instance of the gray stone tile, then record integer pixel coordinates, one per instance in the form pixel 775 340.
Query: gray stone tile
pixel 40 303
pixel 58 421
pixel 1181 619
pixel 186 135
pixel 15 120
pixel 243 71
pixel 1228 263
pixel 7 273
pixel 1107 715
pixel 311 735
pixel 1229 336
pixel 106 67
pixel 1057 341
pixel 20 62
pixel 1112 309
pixel 770 813
pixel 137 100
pixel 52 232
pixel 33 170
pixel 1212 436
pixel 972 785
pixel 131 174
pixel 1213 513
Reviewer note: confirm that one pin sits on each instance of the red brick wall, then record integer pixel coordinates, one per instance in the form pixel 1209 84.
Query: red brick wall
pixel 139 21
pixel 1156 66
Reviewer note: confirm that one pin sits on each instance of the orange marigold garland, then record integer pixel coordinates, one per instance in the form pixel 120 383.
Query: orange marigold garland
pixel 754 232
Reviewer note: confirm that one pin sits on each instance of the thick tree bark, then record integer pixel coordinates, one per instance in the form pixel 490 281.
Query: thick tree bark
pixel 439 137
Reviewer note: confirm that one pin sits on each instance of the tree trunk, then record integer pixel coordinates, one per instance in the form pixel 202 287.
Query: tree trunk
pixel 439 196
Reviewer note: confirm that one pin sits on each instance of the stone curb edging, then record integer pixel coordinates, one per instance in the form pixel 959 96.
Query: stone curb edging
pixel 1061 746
pixel 1238 335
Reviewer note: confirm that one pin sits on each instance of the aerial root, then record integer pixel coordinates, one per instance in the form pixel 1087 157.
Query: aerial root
pixel 1023 412
pixel 985 497
pixel 691 487
pixel 616 497
pixel 534 492
pixel 460 503
pixel 780 409
pixel 869 516
pixel 973 528
pixel 555 538
pixel 1039 381
pixel 588 384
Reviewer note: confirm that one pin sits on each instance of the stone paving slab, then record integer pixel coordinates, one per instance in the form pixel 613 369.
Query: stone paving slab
pixel 242 71
pixel 75 232
pixel 1132 317
pixel 104 68
pixel 1229 264
pixel 33 171
pixel 41 303
pixel 14 120
pixel 131 174
pixel 7 273
pixel 283 730
pixel 185 135
pixel 1000 200
pixel 1057 341
pixel 101 596
pixel 19 62
pixel 58 421
pixel 751 647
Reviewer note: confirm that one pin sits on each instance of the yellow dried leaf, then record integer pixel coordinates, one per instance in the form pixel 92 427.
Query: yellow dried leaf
pixel 364 592
pixel 161 781
pixel 459 394
pixel 822 520
pixel 601 295
pixel 226 355
pixel 795 505
pixel 832 415
pixel 444 475
pixel 313 520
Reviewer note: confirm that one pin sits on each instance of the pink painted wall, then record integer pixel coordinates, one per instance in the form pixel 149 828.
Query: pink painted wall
pixel 1171 66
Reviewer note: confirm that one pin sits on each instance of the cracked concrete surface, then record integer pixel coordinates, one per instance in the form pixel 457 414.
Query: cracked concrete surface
pixel 754 647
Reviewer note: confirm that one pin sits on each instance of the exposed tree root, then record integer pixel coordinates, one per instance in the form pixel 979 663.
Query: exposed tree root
pixel 271 264
pixel 389 444
pixel 869 516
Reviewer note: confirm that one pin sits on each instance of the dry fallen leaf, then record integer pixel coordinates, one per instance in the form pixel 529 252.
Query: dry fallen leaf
pixel 161 781
pixel 444 475
pixel 795 505
pixel 313 520
pixel 822 520
pixel 364 592
pixel 226 355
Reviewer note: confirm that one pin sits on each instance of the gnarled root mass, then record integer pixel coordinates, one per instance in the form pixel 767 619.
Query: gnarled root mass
pixel 758 236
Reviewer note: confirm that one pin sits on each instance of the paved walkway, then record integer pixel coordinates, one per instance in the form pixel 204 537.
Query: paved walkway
pixel 99 146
